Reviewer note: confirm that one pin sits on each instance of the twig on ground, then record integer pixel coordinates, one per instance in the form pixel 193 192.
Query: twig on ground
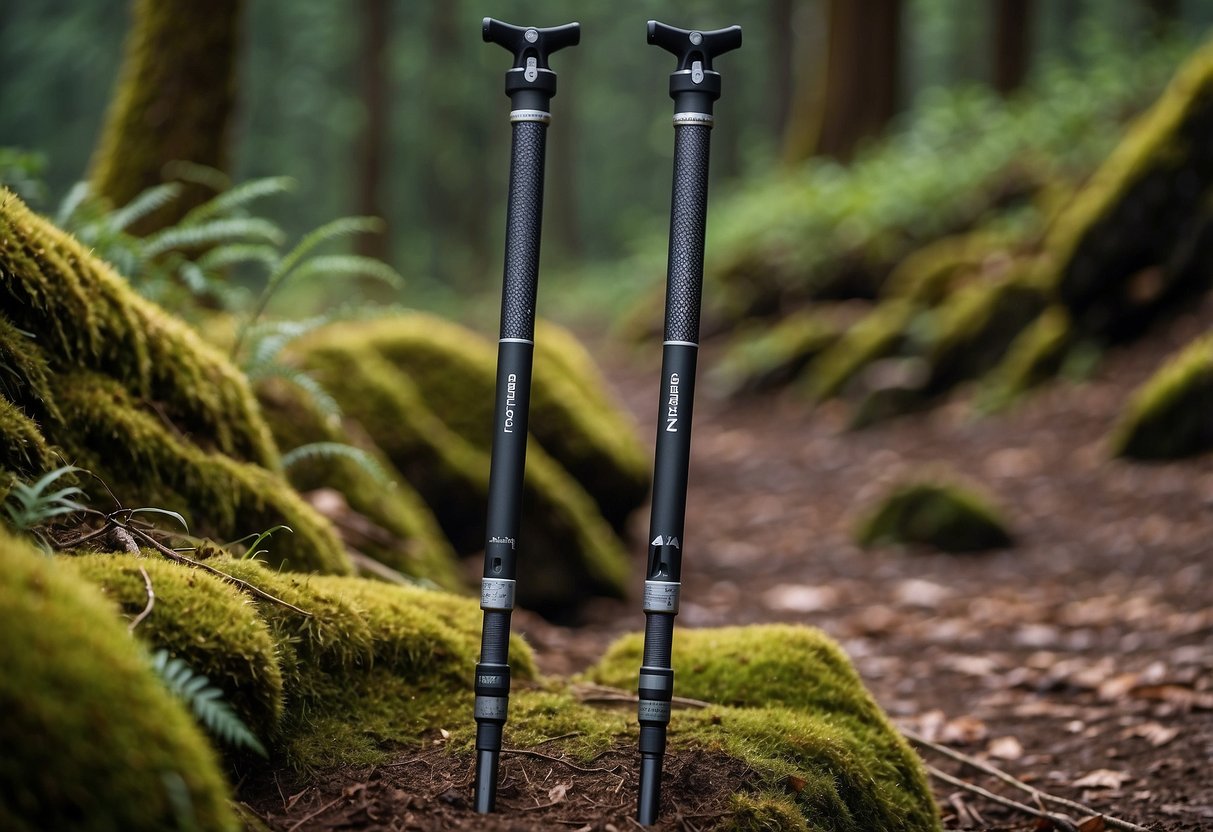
pixel 316 813
pixel 177 557
pixel 542 756
pixel 1041 796
pixel 560 737
pixel 1061 821
pixel 151 601
pixel 602 693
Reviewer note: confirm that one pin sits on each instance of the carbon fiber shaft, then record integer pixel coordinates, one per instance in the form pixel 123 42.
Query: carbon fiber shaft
pixel 520 285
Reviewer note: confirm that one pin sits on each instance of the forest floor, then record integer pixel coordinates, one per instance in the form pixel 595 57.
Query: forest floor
pixel 1080 660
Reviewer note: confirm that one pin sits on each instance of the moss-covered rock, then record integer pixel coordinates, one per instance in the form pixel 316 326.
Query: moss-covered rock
pixel 1114 250
pixel 763 358
pixel 455 371
pixel 1171 415
pixel 570 549
pixel 92 739
pixel 175 95
pixel 399 530
pixel 928 275
pixel 878 334
pixel 111 382
pixel 795 709
pixel 1036 354
pixel 935 513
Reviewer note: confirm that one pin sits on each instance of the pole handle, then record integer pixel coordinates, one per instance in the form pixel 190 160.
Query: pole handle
pixel 689 45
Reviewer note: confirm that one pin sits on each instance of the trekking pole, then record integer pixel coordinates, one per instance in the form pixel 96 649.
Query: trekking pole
pixel 530 84
pixel 694 86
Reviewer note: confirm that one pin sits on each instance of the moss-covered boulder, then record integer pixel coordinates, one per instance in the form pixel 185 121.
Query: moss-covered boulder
pixel 876 335
pixel 571 552
pixel 794 710
pixel 455 370
pixel 110 381
pixel 92 739
pixel 387 520
pixel 766 357
pixel 1036 355
pixel 1171 415
pixel 1125 248
pixel 935 513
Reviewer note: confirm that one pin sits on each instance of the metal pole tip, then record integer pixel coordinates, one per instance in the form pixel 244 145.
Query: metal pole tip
pixel 486 781
pixel 650 790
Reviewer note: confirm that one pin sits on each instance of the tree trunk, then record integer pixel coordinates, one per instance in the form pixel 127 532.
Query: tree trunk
pixel 860 90
pixel 173 102
pixel 783 63
pixel 372 156
pixel 1012 43
pixel 1164 14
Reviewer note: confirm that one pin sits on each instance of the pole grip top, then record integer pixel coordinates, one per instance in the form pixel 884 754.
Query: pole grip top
pixel 530 83
pixel 694 85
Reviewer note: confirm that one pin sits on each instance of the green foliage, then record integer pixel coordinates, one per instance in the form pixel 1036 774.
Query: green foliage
pixel 29 505
pixel 206 702
pixel 937 514
pixel 1171 415
pixel 318 450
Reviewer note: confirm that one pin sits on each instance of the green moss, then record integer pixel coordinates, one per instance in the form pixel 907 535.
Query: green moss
pixel 765 813
pixel 175 96
pixel 797 712
pixel 403 533
pixel 1171 415
pixel 877 335
pixel 79 314
pixel 936 514
pixel 572 550
pixel 1036 354
pixel 1145 202
pixel 208 623
pixel 138 457
pixel 768 357
pixel 23 450
pixel 931 273
pixel 92 739
pixel 455 371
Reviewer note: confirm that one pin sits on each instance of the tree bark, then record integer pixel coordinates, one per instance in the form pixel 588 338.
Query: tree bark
pixel 1012 43
pixel 860 86
pixel 372 143
pixel 173 102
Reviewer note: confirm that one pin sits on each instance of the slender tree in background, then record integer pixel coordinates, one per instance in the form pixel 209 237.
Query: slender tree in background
pixel 1164 14
pixel 783 63
pixel 173 101
pixel 372 142
pixel 1012 43
pixel 858 95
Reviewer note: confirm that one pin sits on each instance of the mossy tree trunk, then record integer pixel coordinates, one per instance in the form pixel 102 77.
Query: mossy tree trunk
pixel 860 86
pixel 173 101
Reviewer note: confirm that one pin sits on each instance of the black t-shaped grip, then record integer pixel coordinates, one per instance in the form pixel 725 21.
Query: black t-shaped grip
pixel 531 42
pixel 689 45
pixel 694 85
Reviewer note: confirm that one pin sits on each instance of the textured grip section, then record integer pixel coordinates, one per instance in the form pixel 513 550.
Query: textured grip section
pixel 658 639
pixel 688 224
pixel 523 220
pixel 495 637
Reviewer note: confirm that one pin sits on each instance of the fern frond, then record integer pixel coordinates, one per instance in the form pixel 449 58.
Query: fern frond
pixel 336 450
pixel 28 505
pixel 152 199
pixel 268 340
pixel 198 174
pixel 230 254
pixel 206 702
pixel 239 229
pixel 316 394
pixel 341 227
pixel 71 203
pixel 350 265
pixel 238 197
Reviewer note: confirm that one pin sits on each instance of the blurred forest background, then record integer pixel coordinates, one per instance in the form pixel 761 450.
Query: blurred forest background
pixel 396 109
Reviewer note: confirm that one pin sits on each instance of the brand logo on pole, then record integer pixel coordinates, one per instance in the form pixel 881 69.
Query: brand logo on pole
pixel 511 393
pixel 671 411
pixel 659 540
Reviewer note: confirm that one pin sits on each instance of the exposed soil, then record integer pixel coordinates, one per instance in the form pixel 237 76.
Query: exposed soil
pixel 1081 660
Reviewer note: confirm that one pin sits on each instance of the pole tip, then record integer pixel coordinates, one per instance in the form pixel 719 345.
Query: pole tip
pixel 650 790
pixel 486 780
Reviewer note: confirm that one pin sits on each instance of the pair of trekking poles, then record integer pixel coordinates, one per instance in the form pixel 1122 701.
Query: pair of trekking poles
pixel 531 84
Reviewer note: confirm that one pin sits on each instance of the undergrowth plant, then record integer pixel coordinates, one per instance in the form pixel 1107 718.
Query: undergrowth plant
pixel 28 506
pixel 206 702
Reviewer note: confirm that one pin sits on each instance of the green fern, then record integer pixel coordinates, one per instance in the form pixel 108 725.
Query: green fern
pixel 149 201
pixel 29 505
pixel 225 230
pixel 206 702
pixel 238 198
pixel 336 450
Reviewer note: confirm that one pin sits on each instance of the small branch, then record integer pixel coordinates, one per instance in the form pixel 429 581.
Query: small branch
pixel 177 557
pixel 1061 821
pixel 316 813
pixel 604 694
pixel 1041 797
pixel 563 762
pixel 151 601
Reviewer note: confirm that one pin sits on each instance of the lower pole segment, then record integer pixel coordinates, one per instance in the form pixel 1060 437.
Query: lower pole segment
pixel 650 789
pixel 486 780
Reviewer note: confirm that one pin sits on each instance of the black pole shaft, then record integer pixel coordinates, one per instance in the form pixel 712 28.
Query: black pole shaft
pixel 688 220
pixel 514 356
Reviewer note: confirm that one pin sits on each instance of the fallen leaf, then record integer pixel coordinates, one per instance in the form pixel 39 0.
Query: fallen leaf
pixel 1155 733
pixel 795 784
pixel 801 598
pixel 557 793
pixel 1005 748
pixel 964 730
pixel 1103 778
pixel 1093 824
pixel 1178 695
